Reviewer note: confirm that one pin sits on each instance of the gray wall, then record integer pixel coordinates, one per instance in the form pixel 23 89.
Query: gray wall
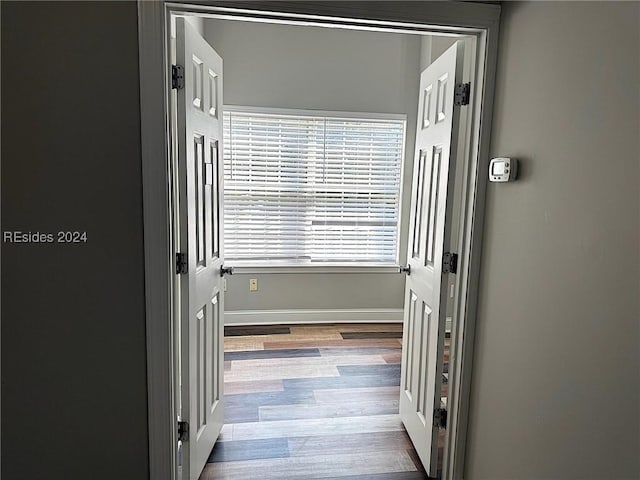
pixel 73 335
pixel 327 69
pixel 555 391
pixel 431 47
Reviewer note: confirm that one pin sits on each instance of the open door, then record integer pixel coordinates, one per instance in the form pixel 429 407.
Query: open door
pixel 198 80
pixel 429 236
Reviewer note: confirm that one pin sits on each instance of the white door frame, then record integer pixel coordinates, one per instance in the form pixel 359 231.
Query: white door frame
pixel 475 20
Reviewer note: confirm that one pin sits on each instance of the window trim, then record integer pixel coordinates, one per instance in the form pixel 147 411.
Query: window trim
pixel 282 266
pixel 334 114
pixel 369 268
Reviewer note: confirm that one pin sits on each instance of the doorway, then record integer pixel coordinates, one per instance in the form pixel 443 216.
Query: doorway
pixel 462 174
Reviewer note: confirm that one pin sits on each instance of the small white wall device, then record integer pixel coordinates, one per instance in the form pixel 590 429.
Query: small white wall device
pixel 503 169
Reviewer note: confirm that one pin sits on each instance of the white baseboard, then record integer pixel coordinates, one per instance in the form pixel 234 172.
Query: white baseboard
pixel 275 317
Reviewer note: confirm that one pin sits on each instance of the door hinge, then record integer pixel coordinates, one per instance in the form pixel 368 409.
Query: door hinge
pixel 440 417
pixel 182 266
pixel 450 263
pixel 177 77
pixel 183 431
pixel 461 94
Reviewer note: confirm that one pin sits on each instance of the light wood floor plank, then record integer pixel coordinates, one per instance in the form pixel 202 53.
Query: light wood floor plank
pixel 239 344
pixel 226 433
pixel 289 337
pixel 389 350
pixel 253 386
pixel 392 357
pixel 347 383
pixel 418 475
pixel 328 410
pixel 365 394
pixel 268 363
pixel 316 426
pixel 287 371
pixel 307 467
pixel 354 443
pixel 338 342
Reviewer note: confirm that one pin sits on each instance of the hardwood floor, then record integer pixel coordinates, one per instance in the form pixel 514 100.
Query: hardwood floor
pixel 306 402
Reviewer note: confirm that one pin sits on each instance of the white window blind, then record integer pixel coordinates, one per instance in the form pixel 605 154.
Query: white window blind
pixel 310 188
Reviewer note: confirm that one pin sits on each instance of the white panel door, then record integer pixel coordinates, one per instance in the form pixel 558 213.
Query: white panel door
pixel 430 231
pixel 199 177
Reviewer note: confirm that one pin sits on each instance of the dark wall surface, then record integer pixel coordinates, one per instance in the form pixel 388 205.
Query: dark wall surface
pixel 73 326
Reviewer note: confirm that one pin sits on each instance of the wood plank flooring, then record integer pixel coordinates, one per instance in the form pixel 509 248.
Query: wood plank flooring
pixel 311 402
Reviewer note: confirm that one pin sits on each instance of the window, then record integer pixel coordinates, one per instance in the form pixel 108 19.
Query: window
pixel 305 188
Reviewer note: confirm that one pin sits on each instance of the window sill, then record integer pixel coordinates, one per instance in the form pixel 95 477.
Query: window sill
pixel 242 269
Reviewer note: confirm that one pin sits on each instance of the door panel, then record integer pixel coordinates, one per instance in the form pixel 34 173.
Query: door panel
pixel 425 298
pixel 213 183
pixel 199 133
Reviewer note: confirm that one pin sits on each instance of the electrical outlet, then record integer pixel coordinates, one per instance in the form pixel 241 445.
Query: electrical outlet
pixel 253 284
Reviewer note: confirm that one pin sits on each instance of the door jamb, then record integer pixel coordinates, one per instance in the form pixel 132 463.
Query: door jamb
pixel 478 20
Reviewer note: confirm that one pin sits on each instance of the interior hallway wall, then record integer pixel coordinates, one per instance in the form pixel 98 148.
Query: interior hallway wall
pixel 288 66
pixel 74 403
pixel 431 47
pixel 556 369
